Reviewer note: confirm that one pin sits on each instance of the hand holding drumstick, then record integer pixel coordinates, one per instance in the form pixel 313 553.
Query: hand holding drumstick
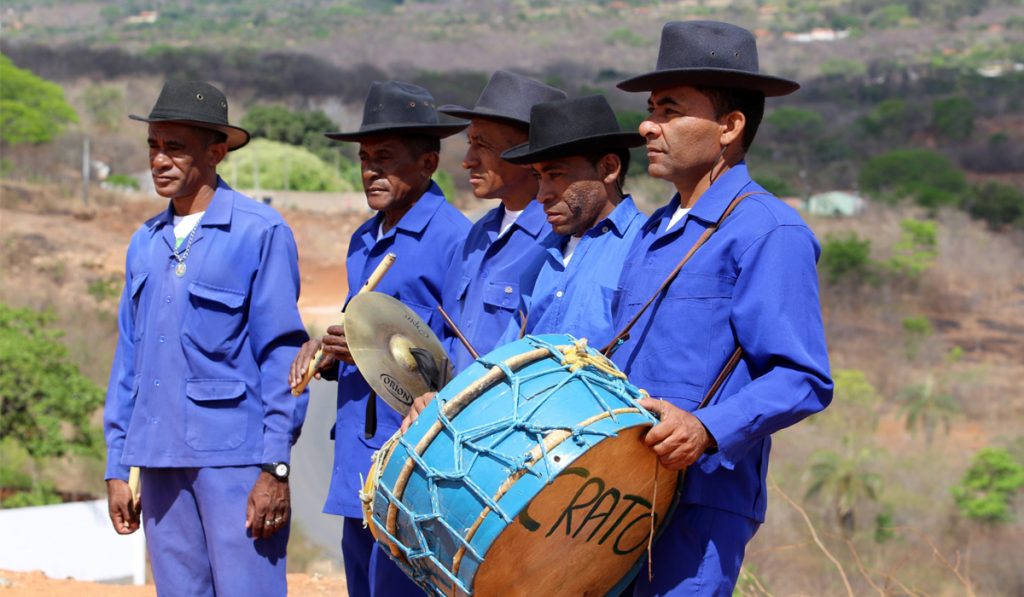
pixel 333 346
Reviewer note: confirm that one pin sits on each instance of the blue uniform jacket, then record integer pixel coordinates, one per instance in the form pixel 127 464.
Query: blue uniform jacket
pixel 577 299
pixel 754 283
pixel 424 241
pixel 200 376
pixel 484 288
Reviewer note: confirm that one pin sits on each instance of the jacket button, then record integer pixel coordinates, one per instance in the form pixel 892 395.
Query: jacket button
pixel 559 294
pixel 508 290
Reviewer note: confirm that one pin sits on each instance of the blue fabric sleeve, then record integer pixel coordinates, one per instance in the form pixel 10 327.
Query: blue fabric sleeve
pixel 782 335
pixel 276 333
pixel 121 387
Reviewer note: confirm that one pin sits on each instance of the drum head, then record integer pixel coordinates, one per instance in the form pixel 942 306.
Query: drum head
pixel 584 532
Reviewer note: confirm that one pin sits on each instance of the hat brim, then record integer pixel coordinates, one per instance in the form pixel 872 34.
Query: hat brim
pixel 236 137
pixel 431 130
pixel 484 113
pixel 710 77
pixel 521 154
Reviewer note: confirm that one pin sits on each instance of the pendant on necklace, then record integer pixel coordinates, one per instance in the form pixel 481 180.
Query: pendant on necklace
pixel 179 270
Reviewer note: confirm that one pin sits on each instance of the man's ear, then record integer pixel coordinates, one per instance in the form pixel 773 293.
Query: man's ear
pixel 216 153
pixel 732 126
pixel 428 162
pixel 609 168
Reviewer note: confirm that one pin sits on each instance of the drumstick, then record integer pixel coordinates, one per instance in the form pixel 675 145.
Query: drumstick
pixel 134 479
pixel 458 333
pixel 371 283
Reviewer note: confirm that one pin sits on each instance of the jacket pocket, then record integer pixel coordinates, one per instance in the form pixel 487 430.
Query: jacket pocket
pixel 216 319
pixel 678 340
pixel 135 295
pixel 215 416
pixel 501 295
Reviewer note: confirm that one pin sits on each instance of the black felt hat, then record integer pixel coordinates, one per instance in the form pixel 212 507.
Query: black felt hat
pixel 708 53
pixel 198 104
pixel 397 108
pixel 571 127
pixel 508 98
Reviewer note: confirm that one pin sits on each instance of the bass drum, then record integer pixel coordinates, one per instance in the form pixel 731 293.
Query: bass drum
pixel 525 476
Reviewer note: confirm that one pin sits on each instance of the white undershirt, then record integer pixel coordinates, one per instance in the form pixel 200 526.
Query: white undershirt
pixel 380 230
pixel 507 220
pixel 183 225
pixel 570 248
pixel 676 217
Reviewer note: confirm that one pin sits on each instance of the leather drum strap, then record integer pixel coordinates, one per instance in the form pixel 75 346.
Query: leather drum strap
pixel 624 334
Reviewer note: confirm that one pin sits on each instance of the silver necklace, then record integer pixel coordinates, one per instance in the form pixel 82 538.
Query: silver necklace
pixel 179 270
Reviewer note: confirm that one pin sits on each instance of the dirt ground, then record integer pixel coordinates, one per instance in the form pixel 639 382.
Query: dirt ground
pixel 37 584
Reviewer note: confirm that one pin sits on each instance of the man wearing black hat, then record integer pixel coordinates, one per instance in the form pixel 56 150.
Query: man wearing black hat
pixel 502 253
pixel 739 326
pixel 207 322
pixel 399 141
pixel 580 157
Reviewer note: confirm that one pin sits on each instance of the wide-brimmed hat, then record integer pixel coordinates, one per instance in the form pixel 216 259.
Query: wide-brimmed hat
pixel 708 53
pixel 508 98
pixel 198 104
pixel 571 127
pixel 397 108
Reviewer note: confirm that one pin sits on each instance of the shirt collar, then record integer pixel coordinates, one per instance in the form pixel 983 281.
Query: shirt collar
pixel 713 202
pixel 620 217
pixel 532 220
pixel 218 212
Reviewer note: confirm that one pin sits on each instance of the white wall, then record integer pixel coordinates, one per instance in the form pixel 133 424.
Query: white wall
pixel 70 540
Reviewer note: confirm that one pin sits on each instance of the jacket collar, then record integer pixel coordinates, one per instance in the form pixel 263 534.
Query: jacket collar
pixel 710 206
pixel 413 221
pixel 218 212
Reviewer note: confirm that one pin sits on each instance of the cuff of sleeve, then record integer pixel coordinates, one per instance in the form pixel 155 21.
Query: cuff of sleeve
pixel 728 438
pixel 276 447
pixel 115 470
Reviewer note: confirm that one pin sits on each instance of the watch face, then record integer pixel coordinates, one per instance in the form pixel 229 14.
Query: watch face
pixel 281 470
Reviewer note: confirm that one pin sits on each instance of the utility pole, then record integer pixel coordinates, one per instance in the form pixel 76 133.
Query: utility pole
pixel 86 171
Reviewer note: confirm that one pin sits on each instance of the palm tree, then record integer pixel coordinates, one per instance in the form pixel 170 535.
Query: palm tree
pixel 926 407
pixel 845 482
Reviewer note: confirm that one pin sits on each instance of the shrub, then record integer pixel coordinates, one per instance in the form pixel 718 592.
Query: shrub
pixel 987 489
pixel 45 402
pixel 847 257
pixel 929 178
pixel 281 166
pixel 917 248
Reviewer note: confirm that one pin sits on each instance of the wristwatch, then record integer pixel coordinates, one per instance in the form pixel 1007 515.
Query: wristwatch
pixel 280 470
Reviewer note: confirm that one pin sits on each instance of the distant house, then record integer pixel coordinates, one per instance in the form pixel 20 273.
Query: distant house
pixel 146 17
pixel 835 203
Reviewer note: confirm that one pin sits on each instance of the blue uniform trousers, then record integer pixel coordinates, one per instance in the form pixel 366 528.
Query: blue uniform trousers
pixel 368 570
pixel 194 520
pixel 699 553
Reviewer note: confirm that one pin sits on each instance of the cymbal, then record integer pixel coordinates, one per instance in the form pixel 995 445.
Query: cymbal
pixel 381 331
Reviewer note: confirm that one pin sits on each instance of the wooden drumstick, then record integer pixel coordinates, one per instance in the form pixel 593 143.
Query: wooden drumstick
pixel 134 480
pixel 371 283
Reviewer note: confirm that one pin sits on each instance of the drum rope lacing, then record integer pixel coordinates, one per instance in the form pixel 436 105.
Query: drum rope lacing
pixel 584 365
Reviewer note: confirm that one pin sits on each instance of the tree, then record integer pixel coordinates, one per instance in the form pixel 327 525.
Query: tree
pixel 844 481
pixel 953 118
pixel 927 405
pixel 999 205
pixel 301 128
pixel 929 178
pixel 45 402
pixel 986 491
pixel 32 110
